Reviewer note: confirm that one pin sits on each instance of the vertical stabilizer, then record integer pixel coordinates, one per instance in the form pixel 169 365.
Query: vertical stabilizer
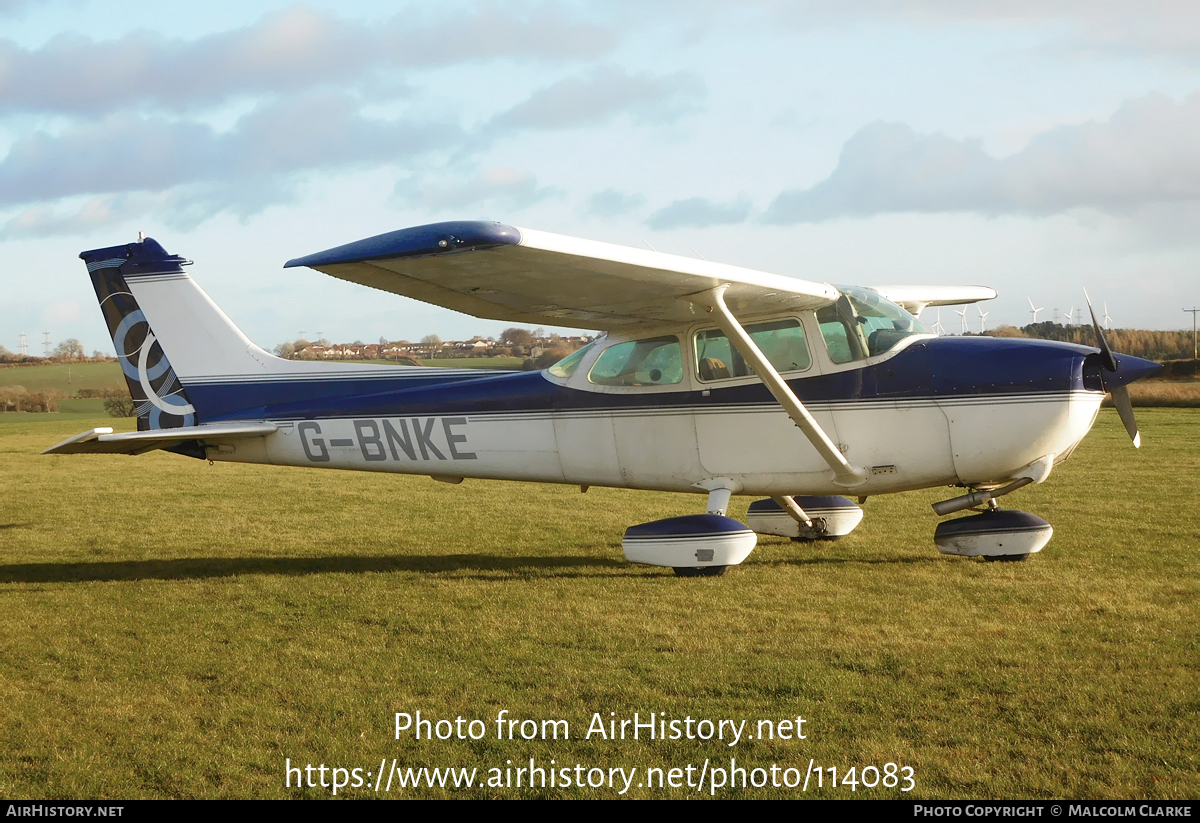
pixel 152 307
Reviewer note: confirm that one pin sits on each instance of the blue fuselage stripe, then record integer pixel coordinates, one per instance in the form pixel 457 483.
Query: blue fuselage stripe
pixel 943 369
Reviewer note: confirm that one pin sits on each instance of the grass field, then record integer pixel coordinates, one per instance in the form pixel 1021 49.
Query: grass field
pixel 68 379
pixel 175 629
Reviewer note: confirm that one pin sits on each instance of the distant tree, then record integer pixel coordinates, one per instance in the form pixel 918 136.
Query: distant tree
pixel 431 340
pixel 117 401
pixel 11 398
pixel 49 399
pixel 517 337
pixel 69 349
pixel 119 406
pixel 545 360
pixel 285 349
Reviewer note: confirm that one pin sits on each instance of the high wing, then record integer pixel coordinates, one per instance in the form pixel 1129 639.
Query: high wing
pixel 103 441
pixel 915 298
pixel 501 272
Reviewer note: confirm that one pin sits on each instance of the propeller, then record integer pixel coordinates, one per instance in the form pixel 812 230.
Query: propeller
pixel 1134 368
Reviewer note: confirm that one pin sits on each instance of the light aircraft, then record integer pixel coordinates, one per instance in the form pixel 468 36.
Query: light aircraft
pixel 707 378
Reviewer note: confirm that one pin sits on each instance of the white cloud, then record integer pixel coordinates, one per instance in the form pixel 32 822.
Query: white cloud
pixel 284 51
pixel 602 94
pixel 502 186
pixel 132 153
pixel 610 203
pixel 1144 154
pixel 1147 28
pixel 698 213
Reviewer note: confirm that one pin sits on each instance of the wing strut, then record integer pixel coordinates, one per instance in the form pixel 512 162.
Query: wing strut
pixel 845 475
pixel 789 504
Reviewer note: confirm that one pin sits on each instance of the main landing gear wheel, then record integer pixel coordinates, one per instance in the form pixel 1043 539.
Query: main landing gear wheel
pixel 701 571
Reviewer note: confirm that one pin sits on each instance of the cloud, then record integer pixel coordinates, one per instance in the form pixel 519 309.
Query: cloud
pixel 1144 154
pixel 503 186
pixel 601 95
pixel 127 152
pixel 610 203
pixel 284 51
pixel 43 221
pixel 698 213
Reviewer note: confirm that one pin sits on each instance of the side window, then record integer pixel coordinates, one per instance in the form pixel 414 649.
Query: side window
pixel 657 361
pixel 781 342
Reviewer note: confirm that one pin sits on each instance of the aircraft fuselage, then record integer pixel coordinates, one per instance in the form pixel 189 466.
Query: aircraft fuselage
pixel 937 411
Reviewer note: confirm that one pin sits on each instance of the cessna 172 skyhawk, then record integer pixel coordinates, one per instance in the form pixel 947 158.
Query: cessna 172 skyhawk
pixel 699 382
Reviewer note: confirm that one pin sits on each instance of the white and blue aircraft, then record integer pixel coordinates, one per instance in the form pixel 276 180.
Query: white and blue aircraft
pixel 707 378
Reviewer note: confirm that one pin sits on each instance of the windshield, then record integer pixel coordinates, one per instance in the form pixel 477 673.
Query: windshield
pixel 566 367
pixel 862 324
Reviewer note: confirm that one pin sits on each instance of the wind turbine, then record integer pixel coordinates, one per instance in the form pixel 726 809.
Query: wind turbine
pixel 1071 317
pixel 938 328
pixel 982 317
pixel 1034 309
pixel 962 315
pixel 1107 319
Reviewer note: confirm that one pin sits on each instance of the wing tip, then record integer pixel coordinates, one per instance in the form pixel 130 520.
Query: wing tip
pixel 416 241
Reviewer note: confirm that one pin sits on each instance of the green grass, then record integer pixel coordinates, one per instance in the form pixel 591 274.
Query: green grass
pixel 66 378
pixel 174 629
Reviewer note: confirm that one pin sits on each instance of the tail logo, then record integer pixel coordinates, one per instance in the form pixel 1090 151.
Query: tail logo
pixel 145 365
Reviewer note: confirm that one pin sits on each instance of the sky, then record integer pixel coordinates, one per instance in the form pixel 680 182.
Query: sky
pixel 1035 147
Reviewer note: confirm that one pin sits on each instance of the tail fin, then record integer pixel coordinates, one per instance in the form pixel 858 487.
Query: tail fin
pixel 151 306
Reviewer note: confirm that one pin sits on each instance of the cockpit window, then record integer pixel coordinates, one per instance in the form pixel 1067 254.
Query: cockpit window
pixel 567 366
pixel 862 324
pixel 657 361
pixel 781 342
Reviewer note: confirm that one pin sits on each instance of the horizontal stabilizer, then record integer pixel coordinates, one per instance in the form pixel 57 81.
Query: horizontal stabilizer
pixel 104 441
pixel 915 298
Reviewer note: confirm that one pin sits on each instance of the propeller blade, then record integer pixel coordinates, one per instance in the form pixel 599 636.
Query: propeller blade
pixel 1120 396
pixel 1110 362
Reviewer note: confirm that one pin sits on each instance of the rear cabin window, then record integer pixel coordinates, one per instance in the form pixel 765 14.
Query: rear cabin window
pixel 657 361
pixel 781 342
